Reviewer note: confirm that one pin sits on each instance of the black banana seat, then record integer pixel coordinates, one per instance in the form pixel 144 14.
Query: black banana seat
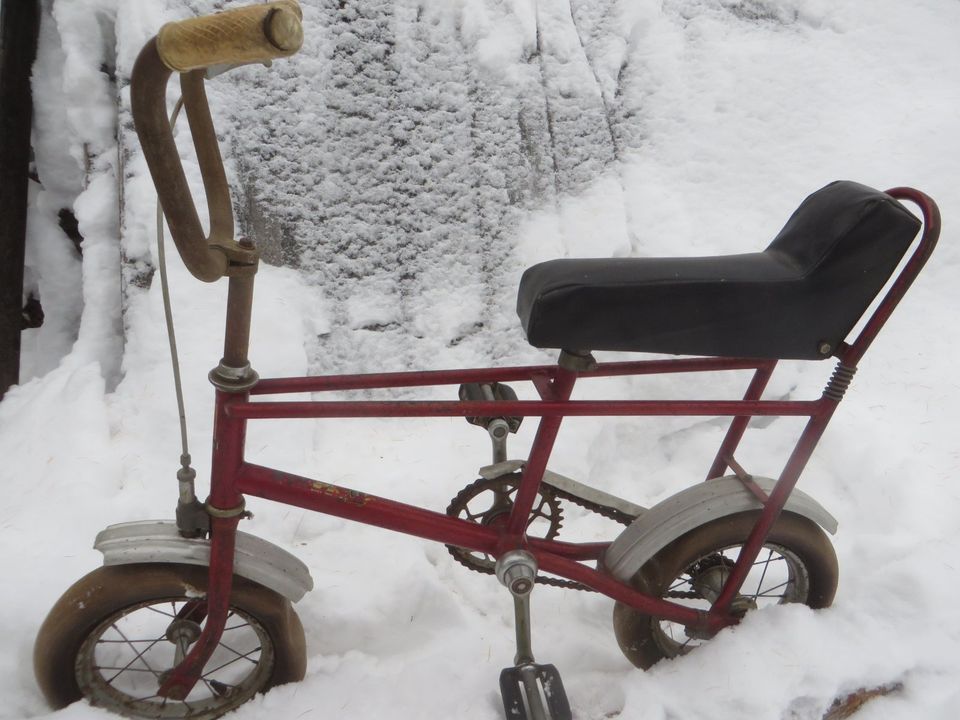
pixel 797 299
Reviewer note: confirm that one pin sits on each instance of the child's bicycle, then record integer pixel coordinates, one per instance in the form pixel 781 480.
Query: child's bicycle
pixel 191 618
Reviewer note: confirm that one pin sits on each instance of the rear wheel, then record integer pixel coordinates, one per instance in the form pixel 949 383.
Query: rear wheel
pixel 795 564
pixel 113 636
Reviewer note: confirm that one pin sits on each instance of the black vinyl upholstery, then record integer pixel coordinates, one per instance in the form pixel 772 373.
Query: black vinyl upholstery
pixel 807 289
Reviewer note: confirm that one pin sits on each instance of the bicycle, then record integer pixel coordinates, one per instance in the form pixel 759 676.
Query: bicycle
pixel 680 571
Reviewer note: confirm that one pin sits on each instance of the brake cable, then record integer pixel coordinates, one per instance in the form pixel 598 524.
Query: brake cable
pixel 186 474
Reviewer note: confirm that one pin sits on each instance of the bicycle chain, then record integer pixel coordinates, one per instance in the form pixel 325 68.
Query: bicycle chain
pixel 617 516
pixel 608 512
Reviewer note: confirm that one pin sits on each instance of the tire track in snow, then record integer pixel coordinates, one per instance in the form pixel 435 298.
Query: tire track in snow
pixel 605 27
pixel 394 169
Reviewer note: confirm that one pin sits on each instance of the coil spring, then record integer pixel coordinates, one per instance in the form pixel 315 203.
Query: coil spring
pixel 839 382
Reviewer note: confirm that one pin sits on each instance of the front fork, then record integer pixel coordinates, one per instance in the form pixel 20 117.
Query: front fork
pixel 181 679
pixel 233 378
pixel 225 507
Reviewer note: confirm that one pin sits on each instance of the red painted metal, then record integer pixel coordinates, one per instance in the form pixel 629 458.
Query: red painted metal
pixel 852 353
pixel 560 390
pixel 361 507
pixel 771 511
pixel 372 381
pixel 555 557
pixel 534 373
pixel 184 676
pixel 612 588
pixel 571 551
pixel 521 408
pixel 391 515
pixel 230 434
pixel 739 424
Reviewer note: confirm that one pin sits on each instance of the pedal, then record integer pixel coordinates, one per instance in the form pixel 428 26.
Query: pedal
pixel 490 392
pixel 530 691
pixel 534 692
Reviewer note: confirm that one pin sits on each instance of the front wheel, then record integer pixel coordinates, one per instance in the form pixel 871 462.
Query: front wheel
pixel 796 564
pixel 116 632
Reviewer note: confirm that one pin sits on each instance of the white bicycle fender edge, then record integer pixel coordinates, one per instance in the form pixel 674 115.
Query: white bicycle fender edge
pixel 158 541
pixel 690 508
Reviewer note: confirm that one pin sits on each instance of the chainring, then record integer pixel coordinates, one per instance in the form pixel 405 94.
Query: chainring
pixel 489 502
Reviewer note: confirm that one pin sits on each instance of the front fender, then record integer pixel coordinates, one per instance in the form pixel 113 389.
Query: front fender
pixel 678 514
pixel 159 541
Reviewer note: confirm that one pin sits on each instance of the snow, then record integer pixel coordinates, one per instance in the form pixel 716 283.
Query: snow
pixel 409 164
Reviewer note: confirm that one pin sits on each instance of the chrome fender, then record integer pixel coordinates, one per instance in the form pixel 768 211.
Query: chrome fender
pixel 158 541
pixel 678 514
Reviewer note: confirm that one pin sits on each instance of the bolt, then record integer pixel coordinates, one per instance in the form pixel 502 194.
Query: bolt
pixel 517 570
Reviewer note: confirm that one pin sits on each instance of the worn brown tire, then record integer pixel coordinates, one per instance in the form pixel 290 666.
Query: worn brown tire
pixel 797 549
pixel 61 651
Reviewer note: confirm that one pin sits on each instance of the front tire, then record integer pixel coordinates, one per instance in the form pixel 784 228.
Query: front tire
pixel 795 564
pixel 106 639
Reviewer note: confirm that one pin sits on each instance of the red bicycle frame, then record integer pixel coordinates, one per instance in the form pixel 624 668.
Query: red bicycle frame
pixel 233 477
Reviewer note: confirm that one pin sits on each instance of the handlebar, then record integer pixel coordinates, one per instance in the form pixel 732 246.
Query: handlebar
pixel 250 34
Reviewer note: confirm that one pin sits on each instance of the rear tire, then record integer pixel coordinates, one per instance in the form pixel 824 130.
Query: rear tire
pixel 796 564
pixel 84 649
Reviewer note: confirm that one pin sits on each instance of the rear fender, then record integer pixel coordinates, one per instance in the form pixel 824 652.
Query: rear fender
pixel 678 514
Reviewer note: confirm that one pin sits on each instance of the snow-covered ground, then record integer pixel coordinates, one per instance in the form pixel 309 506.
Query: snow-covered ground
pixel 720 117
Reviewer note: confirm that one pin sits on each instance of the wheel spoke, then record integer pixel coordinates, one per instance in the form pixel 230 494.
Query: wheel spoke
pixel 161 612
pixel 231 662
pixel 239 654
pixel 123 655
pixel 766 566
pixel 139 655
pixel 237 627
pixel 795 564
pixel 779 558
pixel 767 592
pixel 148 697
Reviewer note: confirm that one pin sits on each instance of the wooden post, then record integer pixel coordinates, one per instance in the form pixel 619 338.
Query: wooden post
pixel 19 27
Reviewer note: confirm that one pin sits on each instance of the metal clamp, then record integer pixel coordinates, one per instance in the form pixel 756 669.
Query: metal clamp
pixel 233 379
pixel 238 511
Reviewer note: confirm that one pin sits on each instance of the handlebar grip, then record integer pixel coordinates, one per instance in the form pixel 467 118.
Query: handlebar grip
pixel 256 33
